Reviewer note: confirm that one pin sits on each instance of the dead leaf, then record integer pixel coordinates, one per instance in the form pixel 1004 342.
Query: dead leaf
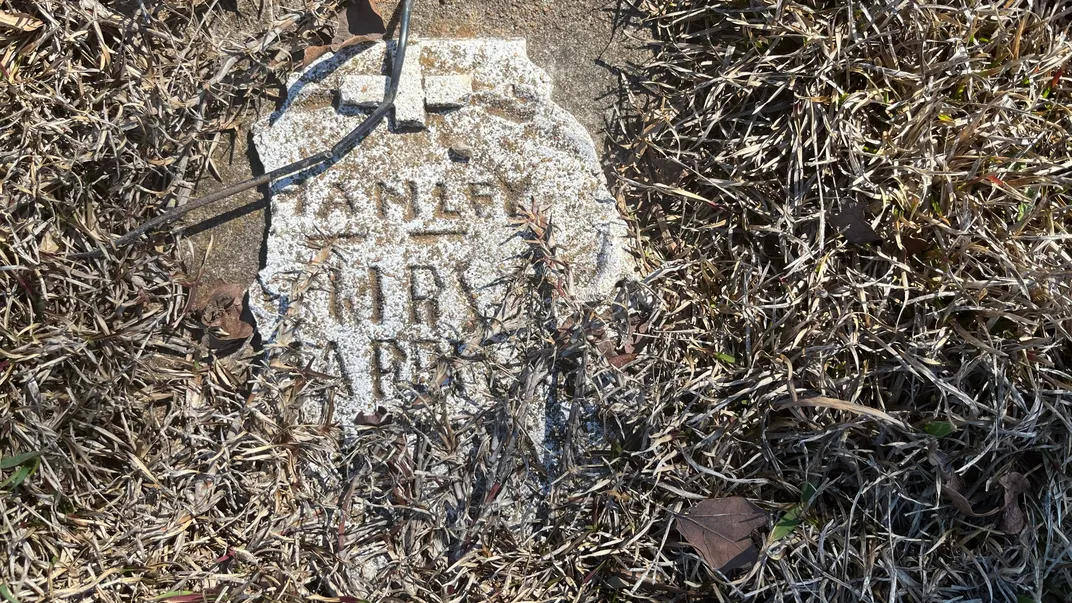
pixel 1013 518
pixel 315 52
pixel 914 245
pixel 605 344
pixel 1015 484
pixel 359 22
pixel 621 353
pixel 19 21
pixel 853 223
pixel 222 316
pixel 48 244
pixel 962 504
pixel 634 335
pixel 953 489
pixel 719 530
pixel 359 18
pixel 376 419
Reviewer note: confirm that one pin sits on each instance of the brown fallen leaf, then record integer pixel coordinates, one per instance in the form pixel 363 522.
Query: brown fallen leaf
pixel 914 245
pixel 222 316
pixel 953 486
pixel 853 223
pixel 376 419
pixel 605 344
pixel 360 21
pixel 1013 518
pixel 719 530
pixel 952 491
pixel 634 336
pixel 360 18
pixel 315 52
pixel 20 21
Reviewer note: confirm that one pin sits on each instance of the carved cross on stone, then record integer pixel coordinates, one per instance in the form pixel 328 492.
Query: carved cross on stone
pixel 416 91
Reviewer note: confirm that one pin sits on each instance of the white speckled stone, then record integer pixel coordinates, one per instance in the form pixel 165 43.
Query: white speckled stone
pixel 447 91
pixel 362 91
pixel 409 104
pixel 380 264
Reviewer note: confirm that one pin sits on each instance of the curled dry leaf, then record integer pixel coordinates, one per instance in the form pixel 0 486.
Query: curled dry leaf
pixel 376 419
pixel 621 360
pixel 223 315
pixel 360 18
pixel 953 491
pixel 953 485
pixel 953 488
pixel 360 21
pixel 1013 518
pixel 914 245
pixel 624 350
pixel 48 244
pixel 719 530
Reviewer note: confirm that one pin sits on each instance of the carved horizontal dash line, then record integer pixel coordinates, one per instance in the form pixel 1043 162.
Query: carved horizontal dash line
pixel 431 234
pixel 337 236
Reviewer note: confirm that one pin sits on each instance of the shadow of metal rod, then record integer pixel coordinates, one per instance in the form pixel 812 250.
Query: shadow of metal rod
pixel 340 150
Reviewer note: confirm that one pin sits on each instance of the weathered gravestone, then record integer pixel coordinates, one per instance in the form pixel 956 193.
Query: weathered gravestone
pixel 382 263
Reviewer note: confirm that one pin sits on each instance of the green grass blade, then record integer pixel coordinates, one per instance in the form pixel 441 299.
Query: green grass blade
pixel 19 476
pixel 5 592
pixel 939 428
pixel 18 459
pixel 787 524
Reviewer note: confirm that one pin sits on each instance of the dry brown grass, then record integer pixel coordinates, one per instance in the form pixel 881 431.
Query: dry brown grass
pixel 152 463
pixel 762 125
pixel 947 126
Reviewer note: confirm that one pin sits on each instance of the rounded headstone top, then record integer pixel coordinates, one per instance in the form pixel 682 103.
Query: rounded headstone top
pixel 387 259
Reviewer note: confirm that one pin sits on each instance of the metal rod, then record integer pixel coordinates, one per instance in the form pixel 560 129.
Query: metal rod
pixel 335 153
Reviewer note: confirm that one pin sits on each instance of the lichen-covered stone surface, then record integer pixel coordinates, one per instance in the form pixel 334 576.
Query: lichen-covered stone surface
pixel 393 256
